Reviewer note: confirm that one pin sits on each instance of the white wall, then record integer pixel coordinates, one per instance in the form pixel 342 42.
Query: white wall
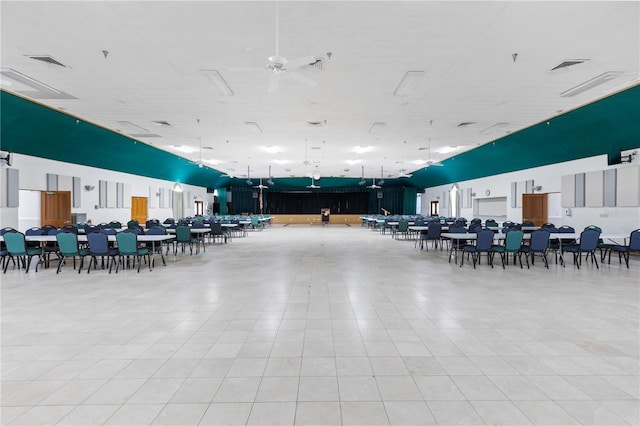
pixel 33 177
pixel 612 220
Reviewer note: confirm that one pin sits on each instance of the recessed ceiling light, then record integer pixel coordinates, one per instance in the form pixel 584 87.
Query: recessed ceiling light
pixel 361 149
pixel 272 149
pixel 352 162
pixel 281 162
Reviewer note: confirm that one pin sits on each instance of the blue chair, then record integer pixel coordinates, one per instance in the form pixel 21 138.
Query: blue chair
pixel 155 247
pixel 99 247
pixel 623 251
pixel 587 245
pixel 539 244
pixel 483 244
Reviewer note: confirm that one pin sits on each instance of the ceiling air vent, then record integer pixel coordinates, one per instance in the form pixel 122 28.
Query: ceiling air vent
pixel 162 123
pixel 48 59
pixel 466 123
pixel 569 63
pixel 314 66
pixel 317 123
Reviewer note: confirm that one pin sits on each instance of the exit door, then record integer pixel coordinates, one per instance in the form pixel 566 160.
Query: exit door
pixel 139 209
pixel 534 208
pixel 55 208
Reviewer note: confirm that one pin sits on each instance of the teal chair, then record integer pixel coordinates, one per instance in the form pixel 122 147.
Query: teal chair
pixel 128 246
pixel 183 237
pixel 68 247
pixel 512 244
pixel 16 247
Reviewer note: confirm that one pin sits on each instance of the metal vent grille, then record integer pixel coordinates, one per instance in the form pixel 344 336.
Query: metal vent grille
pixel 315 66
pixel 47 59
pixel 466 123
pixel 568 63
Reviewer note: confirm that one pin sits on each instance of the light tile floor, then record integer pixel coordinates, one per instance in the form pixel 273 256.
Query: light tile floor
pixel 321 325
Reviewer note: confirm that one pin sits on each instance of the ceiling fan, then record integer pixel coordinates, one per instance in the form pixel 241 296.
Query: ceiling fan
pixel 313 185
pixel 380 182
pixel 278 65
pixel 362 179
pixel 430 162
pixel 249 181
pixel 260 185
pixel 199 162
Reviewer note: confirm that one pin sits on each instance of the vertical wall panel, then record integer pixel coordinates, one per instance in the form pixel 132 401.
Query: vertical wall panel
pixel 529 187
pixel 521 188
pixel 514 194
pixel 52 182
pixel 126 196
pixel 111 194
pixel 580 190
pixel 610 188
pixel 594 189
pixel 65 183
pixel 119 195
pixel 13 188
pixel 153 197
pixel 568 189
pixel 102 194
pixel 444 203
pixel 161 198
pixel 76 194
pixel 628 187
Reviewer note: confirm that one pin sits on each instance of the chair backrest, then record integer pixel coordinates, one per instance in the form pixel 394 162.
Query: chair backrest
pixel 595 228
pixel 103 225
pixel 132 223
pixel 403 226
pixel 127 243
pixel 15 243
pixel 548 225
pixel 183 234
pixel 476 220
pixel 254 221
pixel 513 240
pixel 484 239
pixel 156 230
pixel 216 228
pixel 90 229
pixel 528 223
pixel 507 224
pixel 169 221
pixel 98 243
pixel 589 239
pixel 197 224
pixel 490 222
pixel 475 227
pixel 70 228
pixel 634 240
pixel 67 243
pixel 457 229
pixel 539 240
pixel 566 229
pixel 115 224
pixel 109 231
pixel 33 231
pixel 134 230
pixel 47 228
pixel 434 231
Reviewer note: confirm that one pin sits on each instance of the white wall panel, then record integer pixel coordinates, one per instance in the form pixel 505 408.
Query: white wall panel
pixel 628 187
pixel 568 190
pixel 594 189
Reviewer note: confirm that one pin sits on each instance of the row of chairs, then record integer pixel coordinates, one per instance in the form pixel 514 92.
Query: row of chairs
pixel 16 250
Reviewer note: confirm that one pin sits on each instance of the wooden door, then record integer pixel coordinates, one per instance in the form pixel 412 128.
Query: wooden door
pixel 55 208
pixel 139 209
pixel 534 208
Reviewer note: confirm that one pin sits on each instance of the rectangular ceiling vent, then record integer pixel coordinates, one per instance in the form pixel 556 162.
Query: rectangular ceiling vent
pixel 315 147
pixel 466 123
pixel 162 123
pixel 590 84
pixel 144 135
pixel 319 123
pixel 314 66
pixel 48 59
pixel 569 63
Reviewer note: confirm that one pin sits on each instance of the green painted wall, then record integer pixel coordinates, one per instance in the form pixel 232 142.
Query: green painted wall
pixel 607 126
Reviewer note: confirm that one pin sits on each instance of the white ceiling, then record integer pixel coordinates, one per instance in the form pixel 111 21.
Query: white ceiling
pixel 482 63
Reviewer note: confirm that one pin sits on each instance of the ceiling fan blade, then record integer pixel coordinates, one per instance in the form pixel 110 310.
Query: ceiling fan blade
pixel 302 79
pixel 274 82
pixel 299 62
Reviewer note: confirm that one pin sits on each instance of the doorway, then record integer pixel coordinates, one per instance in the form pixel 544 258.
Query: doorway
pixel 199 208
pixel 139 209
pixel 534 208
pixel 55 208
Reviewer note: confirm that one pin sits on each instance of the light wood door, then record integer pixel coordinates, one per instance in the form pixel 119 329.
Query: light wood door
pixel 139 209
pixel 55 208
pixel 534 208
